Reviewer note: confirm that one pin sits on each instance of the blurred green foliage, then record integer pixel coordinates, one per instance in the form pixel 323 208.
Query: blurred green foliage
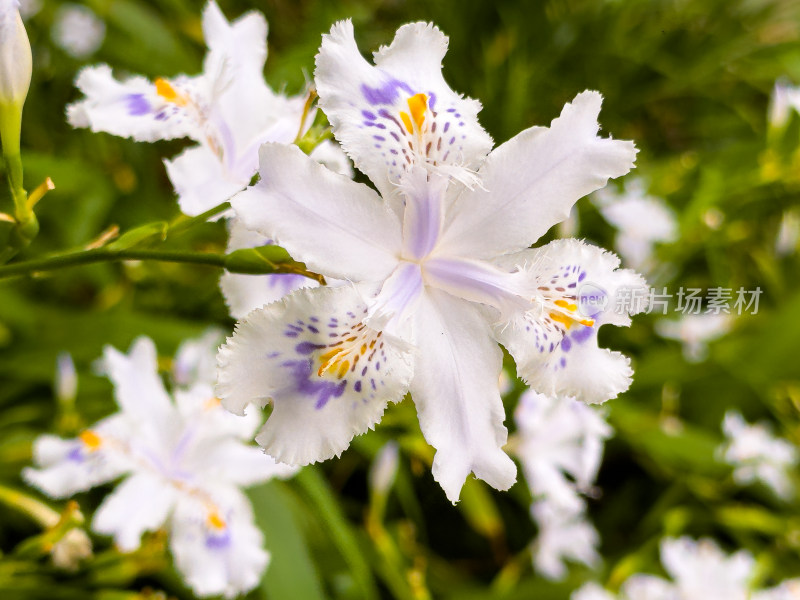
pixel 688 80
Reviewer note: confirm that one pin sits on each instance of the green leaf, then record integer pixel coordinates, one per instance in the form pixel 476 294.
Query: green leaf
pixel 340 530
pixel 291 572
pixel 145 233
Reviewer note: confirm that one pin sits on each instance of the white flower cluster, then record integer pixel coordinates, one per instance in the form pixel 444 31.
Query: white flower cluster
pixel 183 460
pixel 757 455
pixel 560 444
pixel 698 570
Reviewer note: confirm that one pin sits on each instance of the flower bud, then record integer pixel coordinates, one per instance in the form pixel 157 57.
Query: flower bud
pixel 15 57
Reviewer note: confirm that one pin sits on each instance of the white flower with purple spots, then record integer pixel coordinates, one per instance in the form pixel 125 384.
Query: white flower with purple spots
pixel 184 462
pixel 428 269
pixel 400 112
pixel 228 109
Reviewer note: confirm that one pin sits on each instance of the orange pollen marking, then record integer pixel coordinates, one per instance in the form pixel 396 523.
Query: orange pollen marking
pixel 363 349
pixel 211 403
pixel 586 322
pixel 407 121
pixel 418 105
pixel 91 440
pixel 563 319
pixel 328 360
pixel 564 304
pixel 215 521
pixel 344 367
pixel 167 92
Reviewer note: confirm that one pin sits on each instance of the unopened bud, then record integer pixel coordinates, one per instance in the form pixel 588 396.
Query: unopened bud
pixel 16 63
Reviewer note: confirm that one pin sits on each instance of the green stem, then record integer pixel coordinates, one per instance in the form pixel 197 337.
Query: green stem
pixel 232 262
pixel 39 512
pixel 107 255
pixel 10 130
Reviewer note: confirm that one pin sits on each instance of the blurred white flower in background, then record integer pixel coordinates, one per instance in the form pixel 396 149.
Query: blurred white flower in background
pixel 184 460
pixel 758 455
pixel 695 332
pixel 788 233
pixel 560 444
pixel 785 99
pixel 641 220
pixel 29 8
pixel 698 570
pixel 77 30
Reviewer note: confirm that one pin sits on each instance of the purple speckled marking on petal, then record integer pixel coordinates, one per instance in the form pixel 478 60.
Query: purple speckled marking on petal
pixel 305 348
pixel 582 276
pixel 370 116
pixel 285 282
pixel 380 138
pixel 322 389
pixel 218 542
pixel 432 101
pixel 581 335
pixel 385 94
pixel 357 386
pixel 566 344
pixel 137 105
pixel 563 362
pixel 76 455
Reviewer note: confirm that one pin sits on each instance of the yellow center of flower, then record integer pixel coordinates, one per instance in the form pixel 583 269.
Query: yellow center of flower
pixel 417 106
pixel 170 94
pixel 91 440
pixel 214 521
pixel 567 317
pixel 343 356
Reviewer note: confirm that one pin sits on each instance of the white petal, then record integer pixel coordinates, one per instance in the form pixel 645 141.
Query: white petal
pixel 244 293
pixel 201 181
pixel 66 467
pixel 788 590
pixel 138 389
pixel 248 109
pixel 243 43
pixel 242 465
pixel 133 108
pixel 328 376
pixel 649 587
pixel 196 359
pixel 555 342
pixel 456 391
pixel 220 553
pixel 700 569
pixel 563 535
pixel 531 182
pixel 401 112
pixel 140 503
pixel 337 227
pixel 331 155
pixel 591 591
pixel 558 436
